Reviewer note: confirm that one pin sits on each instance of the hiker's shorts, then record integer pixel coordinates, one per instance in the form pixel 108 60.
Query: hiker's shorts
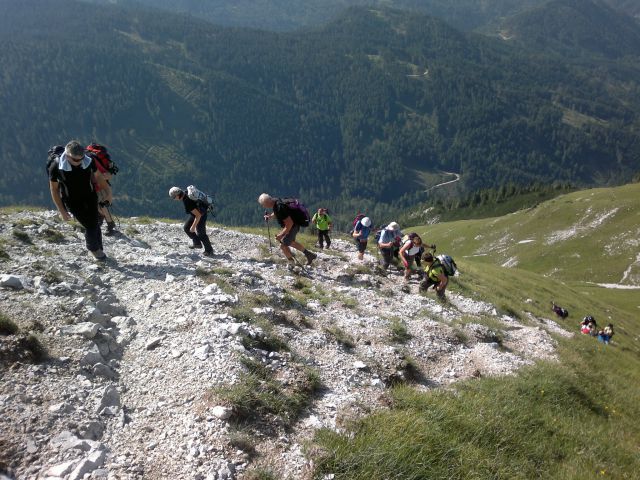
pixel 362 246
pixel 291 236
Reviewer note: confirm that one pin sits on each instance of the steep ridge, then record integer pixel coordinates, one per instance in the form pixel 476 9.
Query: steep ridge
pixel 165 365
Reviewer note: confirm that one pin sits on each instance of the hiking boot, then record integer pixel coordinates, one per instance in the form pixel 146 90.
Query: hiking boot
pixel 194 246
pixel 99 255
pixel 207 254
pixel 111 229
pixel 310 257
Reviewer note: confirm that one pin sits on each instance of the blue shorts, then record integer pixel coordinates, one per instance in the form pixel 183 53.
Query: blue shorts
pixel 291 236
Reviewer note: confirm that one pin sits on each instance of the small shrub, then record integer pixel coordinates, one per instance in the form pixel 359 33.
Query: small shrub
pixel 300 284
pixel 53 236
pixel 266 341
pixel 3 254
pixel 7 326
pixel 399 333
pixel 52 276
pixel 261 473
pixel 22 236
pixel 243 314
pixel 37 350
pixel 243 441
pixel 460 336
pixel 222 271
pixel 340 336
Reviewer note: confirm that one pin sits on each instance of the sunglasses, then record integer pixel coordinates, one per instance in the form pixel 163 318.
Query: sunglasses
pixel 75 159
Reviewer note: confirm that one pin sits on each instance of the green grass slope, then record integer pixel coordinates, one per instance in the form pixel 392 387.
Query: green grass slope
pixel 589 236
pixel 571 419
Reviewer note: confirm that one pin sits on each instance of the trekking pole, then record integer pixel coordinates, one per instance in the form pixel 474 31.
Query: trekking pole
pixel 266 220
pixel 295 259
pixel 115 218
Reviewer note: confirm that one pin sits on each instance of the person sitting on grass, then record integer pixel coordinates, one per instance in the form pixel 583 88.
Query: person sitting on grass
pixel 605 334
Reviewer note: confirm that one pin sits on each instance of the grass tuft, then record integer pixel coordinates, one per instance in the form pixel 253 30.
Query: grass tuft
pixel 399 332
pixel 340 336
pixel 22 236
pixel 7 325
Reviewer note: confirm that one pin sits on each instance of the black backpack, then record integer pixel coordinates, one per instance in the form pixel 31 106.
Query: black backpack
pixel 52 159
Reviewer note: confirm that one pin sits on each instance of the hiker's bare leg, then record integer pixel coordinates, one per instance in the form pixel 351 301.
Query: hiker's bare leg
pixel 298 246
pixel 286 250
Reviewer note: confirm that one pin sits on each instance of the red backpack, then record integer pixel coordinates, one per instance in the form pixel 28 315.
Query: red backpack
pixel 101 156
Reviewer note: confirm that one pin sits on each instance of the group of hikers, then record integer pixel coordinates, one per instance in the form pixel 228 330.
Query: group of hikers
pixel 80 186
pixel 391 243
pixel 588 326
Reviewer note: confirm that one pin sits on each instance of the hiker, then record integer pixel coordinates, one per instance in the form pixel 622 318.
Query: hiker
pixel 361 233
pixel 435 275
pixel 103 208
pixel 323 223
pixel 605 335
pixel 390 236
pixel 71 178
pixel 409 251
pixel 285 214
pixel 561 312
pixel 196 224
pixel 588 325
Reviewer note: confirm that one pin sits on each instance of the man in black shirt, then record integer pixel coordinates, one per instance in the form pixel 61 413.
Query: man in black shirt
pixel 71 179
pixel 287 236
pixel 196 225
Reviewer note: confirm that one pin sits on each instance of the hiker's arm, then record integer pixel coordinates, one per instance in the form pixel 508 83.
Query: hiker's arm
pixel 444 281
pixel 314 220
pixel 402 250
pixel 103 184
pixel 196 213
pixel 288 225
pixel 57 199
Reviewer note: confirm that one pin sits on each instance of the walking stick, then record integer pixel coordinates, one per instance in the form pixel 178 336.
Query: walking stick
pixel 266 219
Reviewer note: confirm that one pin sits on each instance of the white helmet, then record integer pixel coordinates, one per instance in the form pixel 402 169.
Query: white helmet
pixel 366 221
pixel 174 192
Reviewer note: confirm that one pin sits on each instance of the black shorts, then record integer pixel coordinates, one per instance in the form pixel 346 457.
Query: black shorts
pixel 291 236
pixel 362 246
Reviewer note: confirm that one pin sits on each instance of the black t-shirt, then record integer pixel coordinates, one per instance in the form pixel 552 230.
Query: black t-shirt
pixel 76 183
pixel 282 211
pixel 190 205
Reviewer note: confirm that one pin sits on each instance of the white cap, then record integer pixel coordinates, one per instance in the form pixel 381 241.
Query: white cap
pixel 366 221
pixel 393 226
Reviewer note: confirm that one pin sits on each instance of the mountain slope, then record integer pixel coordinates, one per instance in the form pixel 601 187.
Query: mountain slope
pixel 349 114
pixel 166 365
pixel 587 236
pixel 583 27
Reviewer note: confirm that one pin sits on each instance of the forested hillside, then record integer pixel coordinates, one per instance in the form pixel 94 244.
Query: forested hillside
pixel 576 27
pixel 350 114
pixel 293 14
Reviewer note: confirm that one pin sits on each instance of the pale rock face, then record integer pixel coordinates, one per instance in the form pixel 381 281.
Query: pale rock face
pixel 144 346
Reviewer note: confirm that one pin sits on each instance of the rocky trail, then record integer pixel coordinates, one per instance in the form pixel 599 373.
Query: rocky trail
pixel 165 364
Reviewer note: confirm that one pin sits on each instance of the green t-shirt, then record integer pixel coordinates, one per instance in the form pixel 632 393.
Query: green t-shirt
pixel 435 272
pixel 321 221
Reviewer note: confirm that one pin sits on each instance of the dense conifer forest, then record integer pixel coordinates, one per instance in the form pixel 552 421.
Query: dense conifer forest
pixel 357 114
